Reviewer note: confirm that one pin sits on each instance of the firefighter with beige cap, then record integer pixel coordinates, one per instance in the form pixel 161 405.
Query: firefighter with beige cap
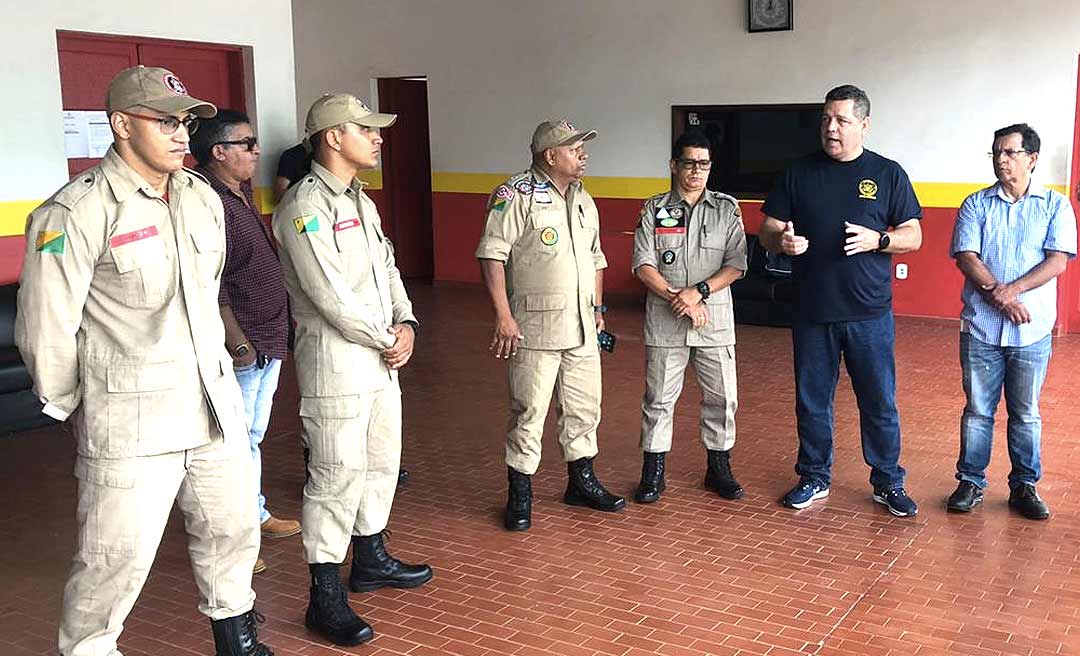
pixel 544 271
pixel 119 327
pixel 354 331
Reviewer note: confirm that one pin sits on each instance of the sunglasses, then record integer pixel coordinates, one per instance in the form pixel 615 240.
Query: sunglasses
pixel 170 124
pixel 247 142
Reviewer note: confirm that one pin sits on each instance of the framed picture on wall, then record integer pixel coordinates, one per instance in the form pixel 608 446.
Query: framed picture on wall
pixel 769 15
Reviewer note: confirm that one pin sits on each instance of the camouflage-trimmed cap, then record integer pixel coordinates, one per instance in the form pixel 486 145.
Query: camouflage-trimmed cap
pixel 156 88
pixel 552 134
pixel 337 108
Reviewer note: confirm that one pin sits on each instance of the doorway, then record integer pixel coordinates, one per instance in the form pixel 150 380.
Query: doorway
pixel 407 175
pixel 1069 283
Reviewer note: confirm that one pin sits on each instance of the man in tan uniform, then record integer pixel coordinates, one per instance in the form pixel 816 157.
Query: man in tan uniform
pixel 544 271
pixel 119 327
pixel 354 331
pixel 688 248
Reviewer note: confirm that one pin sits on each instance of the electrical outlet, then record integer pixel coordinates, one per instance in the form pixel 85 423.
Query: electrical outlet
pixel 901 272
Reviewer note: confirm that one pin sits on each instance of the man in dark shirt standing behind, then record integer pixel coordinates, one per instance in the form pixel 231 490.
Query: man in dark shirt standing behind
pixel 253 301
pixel 841 213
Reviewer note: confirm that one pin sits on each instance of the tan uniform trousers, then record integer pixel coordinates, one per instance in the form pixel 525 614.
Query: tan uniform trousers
pixel 123 507
pixel 574 376
pixel 665 369
pixel 353 469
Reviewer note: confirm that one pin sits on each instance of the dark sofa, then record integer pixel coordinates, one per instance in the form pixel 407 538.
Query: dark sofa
pixel 763 297
pixel 20 409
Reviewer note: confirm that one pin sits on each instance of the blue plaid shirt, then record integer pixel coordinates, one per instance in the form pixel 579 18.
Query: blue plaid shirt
pixel 1011 239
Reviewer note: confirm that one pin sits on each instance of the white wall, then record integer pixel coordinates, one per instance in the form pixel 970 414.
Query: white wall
pixel 32 162
pixel 941 74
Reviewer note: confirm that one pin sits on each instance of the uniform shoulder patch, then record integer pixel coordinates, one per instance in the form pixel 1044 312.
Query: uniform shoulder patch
pixel 71 193
pixel 500 197
pixel 306 223
pixel 50 241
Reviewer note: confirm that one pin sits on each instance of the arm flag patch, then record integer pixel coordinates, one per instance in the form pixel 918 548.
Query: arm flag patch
pixel 50 241
pixel 306 223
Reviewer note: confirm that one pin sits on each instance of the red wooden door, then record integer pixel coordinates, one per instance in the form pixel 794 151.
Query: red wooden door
pixel 1069 283
pixel 407 175
pixel 88 62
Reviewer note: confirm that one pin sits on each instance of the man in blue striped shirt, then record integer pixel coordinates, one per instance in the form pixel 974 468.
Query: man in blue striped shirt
pixel 1011 241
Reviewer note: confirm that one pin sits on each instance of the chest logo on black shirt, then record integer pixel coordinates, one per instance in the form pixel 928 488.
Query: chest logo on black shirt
pixel 868 189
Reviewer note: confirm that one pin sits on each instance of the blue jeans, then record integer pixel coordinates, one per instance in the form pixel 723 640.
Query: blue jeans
pixel 1021 370
pixel 867 350
pixel 258 387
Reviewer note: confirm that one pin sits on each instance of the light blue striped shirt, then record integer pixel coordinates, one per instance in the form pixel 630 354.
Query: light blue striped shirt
pixel 1011 239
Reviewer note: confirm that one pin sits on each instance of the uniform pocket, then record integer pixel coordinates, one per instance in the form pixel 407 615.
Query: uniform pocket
pixel 144 271
pixel 208 256
pixel 107 512
pixel 133 397
pixel 542 321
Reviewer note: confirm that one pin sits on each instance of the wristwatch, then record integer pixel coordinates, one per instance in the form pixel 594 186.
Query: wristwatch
pixel 599 309
pixel 883 241
pixel 703 289
pixel 240 350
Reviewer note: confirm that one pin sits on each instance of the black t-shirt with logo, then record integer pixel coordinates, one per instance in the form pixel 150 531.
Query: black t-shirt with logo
pixel 818 194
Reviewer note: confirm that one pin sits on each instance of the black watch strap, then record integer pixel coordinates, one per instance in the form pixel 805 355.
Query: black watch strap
pixel 883 241
pixel 703 289
pixel 415 325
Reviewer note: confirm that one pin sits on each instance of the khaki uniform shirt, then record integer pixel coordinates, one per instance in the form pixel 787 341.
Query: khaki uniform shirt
pixel 344 284
pixel 118 313
pixel 688 245
pixel 550 247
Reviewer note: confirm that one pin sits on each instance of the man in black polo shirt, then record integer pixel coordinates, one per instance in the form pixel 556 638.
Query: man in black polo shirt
pixel 293 164
pixel 252 300
pixel 841 213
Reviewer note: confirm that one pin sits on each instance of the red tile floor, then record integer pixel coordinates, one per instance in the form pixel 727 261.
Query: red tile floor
pixel 688 576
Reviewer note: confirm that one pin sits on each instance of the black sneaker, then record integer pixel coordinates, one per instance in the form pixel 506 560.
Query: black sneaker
pixel 897 501
pixel 967 496
pixel 1025 500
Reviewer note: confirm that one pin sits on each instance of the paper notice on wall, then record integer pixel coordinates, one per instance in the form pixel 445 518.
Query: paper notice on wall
pixel 86 134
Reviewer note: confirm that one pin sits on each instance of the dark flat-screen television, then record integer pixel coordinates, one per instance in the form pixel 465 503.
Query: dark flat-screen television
pixel 751 144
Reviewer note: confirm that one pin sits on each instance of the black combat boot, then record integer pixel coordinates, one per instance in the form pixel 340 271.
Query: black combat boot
pixel 652 478
pixel 374 568
pixel 584 489
pixel 329 613
pixel 719 478
pixel 238 636
pixel 518 501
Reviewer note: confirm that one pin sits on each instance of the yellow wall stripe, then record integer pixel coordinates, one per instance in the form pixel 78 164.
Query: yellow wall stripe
pixel 931 194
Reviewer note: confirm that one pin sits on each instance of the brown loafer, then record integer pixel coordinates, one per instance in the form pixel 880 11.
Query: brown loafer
pixel 280 528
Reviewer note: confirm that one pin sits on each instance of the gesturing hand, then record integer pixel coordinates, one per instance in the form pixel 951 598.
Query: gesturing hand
pixel 860 239
pixel 504 341
pixel 791 243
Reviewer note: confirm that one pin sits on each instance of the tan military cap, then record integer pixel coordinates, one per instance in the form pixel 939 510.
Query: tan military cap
pixel 552 134
pixel 337 108
pixel 156 88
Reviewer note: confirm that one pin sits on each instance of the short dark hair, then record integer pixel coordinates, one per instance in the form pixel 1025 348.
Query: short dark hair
pixel 1030 137
pixel 851 92
pixel 214 130
pixel 694 138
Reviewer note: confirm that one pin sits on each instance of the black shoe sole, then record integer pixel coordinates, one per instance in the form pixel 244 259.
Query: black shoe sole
pixel 1025 515
pixel 350 641
pixel 736 494
pixel 585 503
pixel 368 586
pixel 518 527
pixel 963 509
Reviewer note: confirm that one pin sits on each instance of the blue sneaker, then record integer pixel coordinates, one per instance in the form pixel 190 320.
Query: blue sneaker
pixel 897 500
pixel 806 492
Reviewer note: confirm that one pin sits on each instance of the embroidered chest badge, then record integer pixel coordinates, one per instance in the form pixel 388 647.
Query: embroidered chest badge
pixel 549 236
pixel 868 189
pixel 666 223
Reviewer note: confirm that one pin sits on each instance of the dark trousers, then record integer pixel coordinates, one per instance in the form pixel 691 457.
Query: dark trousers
pixel 867 350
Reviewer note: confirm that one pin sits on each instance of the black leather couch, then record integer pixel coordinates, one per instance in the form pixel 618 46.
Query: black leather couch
pixel 20 409
pixel 763 297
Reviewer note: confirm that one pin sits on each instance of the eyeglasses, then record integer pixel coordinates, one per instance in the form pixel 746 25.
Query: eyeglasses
pixel 248 142
pixel 170 124
pixel 1007 152
pixel 700 164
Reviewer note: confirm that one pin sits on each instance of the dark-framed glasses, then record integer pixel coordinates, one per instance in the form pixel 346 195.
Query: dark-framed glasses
pixel 170 124
pixel 699 164
pixel 247 142
pixel 1007 152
